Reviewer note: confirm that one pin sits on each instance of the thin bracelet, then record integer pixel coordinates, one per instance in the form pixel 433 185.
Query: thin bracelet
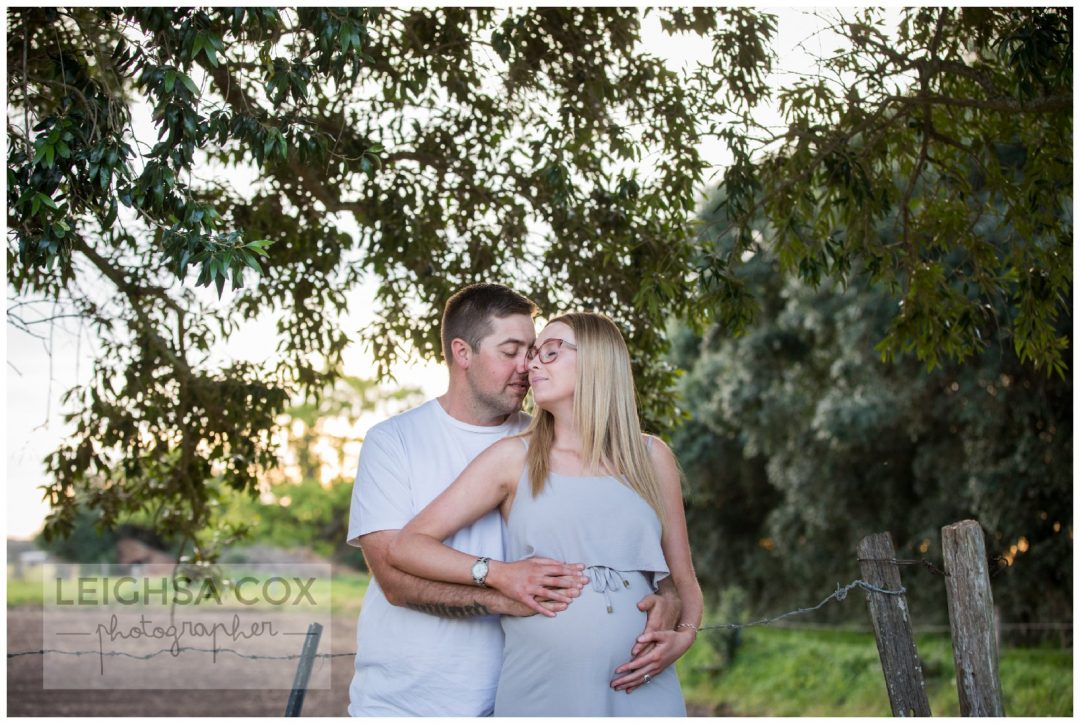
pixel 687 625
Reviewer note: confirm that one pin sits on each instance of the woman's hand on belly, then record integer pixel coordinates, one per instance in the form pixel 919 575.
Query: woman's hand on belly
pixel 662 649
pixel 536 581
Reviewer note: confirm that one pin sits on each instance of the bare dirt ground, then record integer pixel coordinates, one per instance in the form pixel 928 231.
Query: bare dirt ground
pixel 26 695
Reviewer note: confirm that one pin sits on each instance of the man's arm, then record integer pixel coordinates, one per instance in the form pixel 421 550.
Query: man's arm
pixel 449 600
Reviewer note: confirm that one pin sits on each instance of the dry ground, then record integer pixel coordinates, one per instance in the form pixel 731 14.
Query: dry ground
pixel 26 697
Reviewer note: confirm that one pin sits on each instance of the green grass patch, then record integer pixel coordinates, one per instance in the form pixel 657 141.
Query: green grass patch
pixel 24 591
pixel 785 672
pixel 347 592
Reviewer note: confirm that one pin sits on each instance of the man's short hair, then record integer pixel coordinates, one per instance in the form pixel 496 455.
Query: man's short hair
pixel 468 314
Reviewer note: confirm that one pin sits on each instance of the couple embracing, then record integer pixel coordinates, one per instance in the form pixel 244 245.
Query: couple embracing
pixel 522 566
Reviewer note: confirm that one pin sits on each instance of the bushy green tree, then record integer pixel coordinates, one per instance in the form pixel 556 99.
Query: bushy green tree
pixel 803 441
pixel 954 128
pixel 92 542
pixel 463 145
pixel 303 514
pixel 918 200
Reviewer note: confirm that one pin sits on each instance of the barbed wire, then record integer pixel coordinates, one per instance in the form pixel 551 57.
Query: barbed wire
pixel 839 594
pixel 144 657
pixel 997 563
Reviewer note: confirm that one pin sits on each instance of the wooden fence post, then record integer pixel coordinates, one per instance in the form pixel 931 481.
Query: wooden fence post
pixel 892 628
pixel 971 619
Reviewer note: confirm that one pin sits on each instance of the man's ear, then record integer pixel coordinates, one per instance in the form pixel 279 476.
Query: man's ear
pixel 461 351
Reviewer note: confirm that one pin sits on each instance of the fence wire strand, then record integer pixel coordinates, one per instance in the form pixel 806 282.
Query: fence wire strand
pixel 839 594
pixel 283 657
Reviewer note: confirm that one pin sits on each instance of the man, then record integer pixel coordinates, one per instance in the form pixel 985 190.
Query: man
pixel 426 648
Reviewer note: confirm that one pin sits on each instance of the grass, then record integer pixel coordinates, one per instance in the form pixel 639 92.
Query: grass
pixel 347 593
pixel 24 592
pixel 785 672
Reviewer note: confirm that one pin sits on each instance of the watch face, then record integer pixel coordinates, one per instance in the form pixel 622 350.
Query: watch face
pixel 479 569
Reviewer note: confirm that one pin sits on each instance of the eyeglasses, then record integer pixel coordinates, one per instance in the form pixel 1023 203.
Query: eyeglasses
pixel 548 352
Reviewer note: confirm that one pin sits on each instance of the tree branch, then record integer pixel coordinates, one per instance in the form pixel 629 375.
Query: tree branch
pixel 133 293
pixel 938 65
pixel 300 173
pixel 1042 104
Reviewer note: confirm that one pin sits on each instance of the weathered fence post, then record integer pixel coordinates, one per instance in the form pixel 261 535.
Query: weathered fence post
pixel 892 628
pixel 303 670
pixel 971 619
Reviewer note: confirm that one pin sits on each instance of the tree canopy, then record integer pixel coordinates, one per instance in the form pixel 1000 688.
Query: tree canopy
pixel 936 159
pixel 464 145
pixel 801 442
pixel 543 147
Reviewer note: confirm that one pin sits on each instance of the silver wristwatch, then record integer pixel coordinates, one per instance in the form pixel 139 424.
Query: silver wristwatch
pixel 480 571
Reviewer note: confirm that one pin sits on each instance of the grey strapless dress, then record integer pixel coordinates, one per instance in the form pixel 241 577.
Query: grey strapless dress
pixel 563 666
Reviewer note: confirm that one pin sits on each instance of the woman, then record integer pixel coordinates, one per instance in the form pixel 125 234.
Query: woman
pixel 581 484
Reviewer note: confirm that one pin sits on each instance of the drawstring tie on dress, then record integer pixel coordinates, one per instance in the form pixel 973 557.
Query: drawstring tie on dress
pixel 606 580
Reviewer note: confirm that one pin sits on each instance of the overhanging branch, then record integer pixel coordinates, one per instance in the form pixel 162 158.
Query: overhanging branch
pixel 1042 104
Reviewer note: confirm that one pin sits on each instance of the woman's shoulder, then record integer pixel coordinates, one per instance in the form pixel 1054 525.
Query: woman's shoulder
pixel 508 450
pixel 662 457
pixel 654 444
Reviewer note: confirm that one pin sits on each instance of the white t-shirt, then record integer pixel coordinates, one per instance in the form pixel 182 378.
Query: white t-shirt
pixel 410 663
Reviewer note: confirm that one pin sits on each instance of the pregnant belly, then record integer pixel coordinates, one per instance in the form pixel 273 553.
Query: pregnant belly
pixel 563 666
pixel 601 625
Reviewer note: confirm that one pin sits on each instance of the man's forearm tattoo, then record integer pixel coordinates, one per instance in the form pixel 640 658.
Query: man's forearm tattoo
pixel 441 609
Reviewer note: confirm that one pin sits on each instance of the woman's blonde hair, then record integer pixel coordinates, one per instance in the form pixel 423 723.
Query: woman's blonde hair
pixel 605 413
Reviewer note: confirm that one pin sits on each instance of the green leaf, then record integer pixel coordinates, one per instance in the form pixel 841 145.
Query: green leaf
pixel 251 261
pixel 259 245
pixel 47 200
pixel 111 216
pixel 189 84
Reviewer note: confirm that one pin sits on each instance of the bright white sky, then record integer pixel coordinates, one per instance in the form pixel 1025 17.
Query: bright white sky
pixel 36 380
